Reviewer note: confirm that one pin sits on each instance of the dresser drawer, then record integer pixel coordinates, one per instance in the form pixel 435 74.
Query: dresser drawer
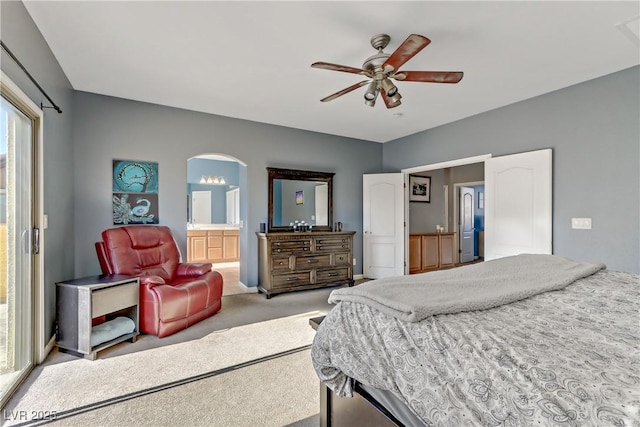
pixel 335 275
pixel 290 280
pixel 332 243
pixel 312 262
pixel 342 258
pixel 290 246
pixel 114 298
pixel 279 263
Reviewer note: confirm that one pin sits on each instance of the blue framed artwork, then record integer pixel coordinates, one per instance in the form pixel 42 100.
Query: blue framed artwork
pixel 135 192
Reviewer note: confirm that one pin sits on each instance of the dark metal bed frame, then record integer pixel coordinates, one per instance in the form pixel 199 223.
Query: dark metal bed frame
pixel 359 410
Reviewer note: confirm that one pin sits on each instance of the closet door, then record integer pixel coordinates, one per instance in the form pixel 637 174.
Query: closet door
pixel 518 214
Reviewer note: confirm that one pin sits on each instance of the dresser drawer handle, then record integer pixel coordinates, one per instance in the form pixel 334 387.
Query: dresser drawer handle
pixel 292 279
pixel 311 261
pixel 332 274
pixel 281 263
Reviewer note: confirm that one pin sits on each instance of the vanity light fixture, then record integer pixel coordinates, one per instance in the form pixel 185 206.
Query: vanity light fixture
pixel 212 180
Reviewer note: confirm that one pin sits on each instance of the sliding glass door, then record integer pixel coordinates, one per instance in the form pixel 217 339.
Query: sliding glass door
pixel 17 144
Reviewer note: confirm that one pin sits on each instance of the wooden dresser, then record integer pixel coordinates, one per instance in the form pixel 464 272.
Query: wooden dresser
pixel 290 261
pixel 431 251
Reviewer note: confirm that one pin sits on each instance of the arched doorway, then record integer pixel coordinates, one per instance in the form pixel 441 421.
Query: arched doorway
pixel 215 219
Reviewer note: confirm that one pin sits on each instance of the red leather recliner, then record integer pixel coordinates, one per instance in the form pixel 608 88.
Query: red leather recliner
pixel 173 295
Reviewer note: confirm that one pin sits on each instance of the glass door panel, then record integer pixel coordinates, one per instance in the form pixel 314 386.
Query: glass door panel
pixel 16 219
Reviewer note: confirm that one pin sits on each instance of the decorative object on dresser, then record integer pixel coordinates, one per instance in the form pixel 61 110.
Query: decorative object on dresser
pixel 297 260
pixel 173 295
pixel 431 251
pixel 94 313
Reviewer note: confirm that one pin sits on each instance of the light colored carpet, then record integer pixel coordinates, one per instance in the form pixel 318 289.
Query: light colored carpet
pixel 282 391
pixel 73 383
pixel 247 328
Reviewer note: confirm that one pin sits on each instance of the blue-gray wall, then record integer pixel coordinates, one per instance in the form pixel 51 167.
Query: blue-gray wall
pixel 592 127
pixel 106 128
pixel 594 131
pixel 22 37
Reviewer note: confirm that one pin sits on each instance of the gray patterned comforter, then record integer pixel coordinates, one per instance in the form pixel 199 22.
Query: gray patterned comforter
pixel 567 357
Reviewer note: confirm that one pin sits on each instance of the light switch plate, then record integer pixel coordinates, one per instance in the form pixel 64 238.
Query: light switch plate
pixel 581 223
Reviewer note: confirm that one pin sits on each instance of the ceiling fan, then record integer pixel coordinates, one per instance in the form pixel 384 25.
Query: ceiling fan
pixel 382 67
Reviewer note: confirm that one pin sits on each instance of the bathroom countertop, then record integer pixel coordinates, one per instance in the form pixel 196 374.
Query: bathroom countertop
pixel 212 227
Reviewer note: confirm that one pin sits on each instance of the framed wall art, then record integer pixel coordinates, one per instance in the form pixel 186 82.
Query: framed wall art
pixel 135 192
pixel 419 188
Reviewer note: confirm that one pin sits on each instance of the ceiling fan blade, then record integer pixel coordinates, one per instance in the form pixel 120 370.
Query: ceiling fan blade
pixel 343 68
pixel 343 91
pixel 429 76
pixel 407 50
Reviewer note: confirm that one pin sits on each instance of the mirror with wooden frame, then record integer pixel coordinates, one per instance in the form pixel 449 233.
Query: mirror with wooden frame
pixel 299 195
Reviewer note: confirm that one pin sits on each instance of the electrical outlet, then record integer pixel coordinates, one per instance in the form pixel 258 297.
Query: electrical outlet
pixel 581 223
pixel 354 261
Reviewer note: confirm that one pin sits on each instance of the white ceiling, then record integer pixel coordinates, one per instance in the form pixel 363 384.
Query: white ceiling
pixel 251 60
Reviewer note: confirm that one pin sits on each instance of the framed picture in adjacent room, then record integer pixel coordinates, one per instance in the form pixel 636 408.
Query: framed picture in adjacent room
pixel 419 188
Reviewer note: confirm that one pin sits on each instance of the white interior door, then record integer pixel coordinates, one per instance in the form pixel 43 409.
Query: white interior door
pixel 466 230
pixel 383 225
pixel 201 205
pixel 518 215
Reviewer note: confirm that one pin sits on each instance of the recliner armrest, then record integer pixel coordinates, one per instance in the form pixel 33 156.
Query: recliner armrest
pixel 192 269
pixel 151 281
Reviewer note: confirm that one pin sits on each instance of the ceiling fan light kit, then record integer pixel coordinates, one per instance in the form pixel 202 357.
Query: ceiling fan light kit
pixel 382 67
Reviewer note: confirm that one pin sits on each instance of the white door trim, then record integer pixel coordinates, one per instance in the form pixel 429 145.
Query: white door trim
pixel 447 164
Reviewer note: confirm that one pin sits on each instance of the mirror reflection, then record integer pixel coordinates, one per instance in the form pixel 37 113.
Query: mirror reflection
pixel 300 201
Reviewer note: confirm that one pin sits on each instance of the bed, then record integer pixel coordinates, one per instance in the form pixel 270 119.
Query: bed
pixel 519 341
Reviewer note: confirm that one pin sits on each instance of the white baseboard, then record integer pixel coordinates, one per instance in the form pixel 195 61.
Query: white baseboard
pixel 47 349
pixel 248 289
pixel 358 276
